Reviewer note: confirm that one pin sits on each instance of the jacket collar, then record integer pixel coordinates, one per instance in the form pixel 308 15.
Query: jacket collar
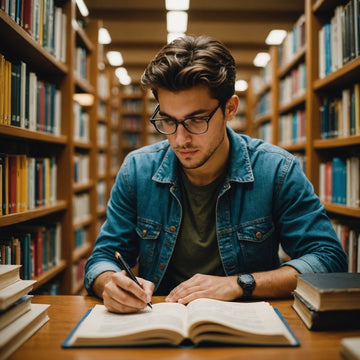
pixel 240 169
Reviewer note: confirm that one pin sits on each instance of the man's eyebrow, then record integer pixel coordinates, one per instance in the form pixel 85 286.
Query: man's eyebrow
pixel 194 113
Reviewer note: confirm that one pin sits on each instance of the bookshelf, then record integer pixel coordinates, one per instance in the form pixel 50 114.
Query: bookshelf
pixel 319 119
pixel 66 147
pixel 133 112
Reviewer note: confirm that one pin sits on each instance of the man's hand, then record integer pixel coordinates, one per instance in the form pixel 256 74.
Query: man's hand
pixel 206 286
pixel 121 294
pixel 269 284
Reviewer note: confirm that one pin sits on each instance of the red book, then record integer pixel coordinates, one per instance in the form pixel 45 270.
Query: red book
pixel 27 16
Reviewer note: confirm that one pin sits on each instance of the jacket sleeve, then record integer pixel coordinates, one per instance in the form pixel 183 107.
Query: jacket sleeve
pixel 117 233
pixel 306 233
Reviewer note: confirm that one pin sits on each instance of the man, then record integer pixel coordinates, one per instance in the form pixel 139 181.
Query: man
pixel 204 212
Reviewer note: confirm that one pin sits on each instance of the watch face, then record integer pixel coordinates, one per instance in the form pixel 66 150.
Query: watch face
pixel 246 278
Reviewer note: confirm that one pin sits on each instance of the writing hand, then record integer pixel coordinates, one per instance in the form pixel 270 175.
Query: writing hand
pixel 122 295
pixel 206 286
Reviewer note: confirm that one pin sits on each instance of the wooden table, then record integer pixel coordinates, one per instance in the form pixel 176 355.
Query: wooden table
pixel 66 311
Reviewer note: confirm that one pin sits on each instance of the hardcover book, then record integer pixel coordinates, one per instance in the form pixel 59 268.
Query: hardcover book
pixel 330 291
pixel 201 321
pixel 325 320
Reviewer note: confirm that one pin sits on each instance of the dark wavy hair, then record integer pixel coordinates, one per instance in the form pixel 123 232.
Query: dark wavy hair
pixel 191 61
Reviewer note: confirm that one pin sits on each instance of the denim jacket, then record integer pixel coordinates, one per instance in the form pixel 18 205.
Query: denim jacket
pixel 266 200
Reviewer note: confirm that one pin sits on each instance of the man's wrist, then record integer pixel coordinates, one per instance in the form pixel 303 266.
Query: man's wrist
pixel 247 283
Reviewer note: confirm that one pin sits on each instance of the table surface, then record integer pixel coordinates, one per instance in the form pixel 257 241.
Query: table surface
pixel 66 310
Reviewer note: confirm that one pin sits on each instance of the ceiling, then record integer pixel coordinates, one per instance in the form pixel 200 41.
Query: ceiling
pixel 138 27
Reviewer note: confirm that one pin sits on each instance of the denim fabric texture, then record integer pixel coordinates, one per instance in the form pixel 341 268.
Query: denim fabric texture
pixel 266 200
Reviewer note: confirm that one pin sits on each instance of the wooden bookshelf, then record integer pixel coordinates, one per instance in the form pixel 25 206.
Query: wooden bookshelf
pixel 65 146
pixel 314 147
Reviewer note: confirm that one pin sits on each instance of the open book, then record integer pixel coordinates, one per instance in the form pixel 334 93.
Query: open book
pixel 203 320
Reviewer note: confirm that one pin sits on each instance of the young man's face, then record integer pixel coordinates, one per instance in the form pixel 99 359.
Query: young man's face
pixel 196 151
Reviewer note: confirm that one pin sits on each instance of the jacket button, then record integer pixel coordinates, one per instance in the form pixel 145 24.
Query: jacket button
pixel 167 244
pixel 172 228
pixel 144 232
pixel 155 279
pixel 258 235
pixel 161 266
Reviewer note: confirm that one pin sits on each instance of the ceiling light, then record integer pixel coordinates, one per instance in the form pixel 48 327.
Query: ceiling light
pixel 261 59
pixel 104 36
pixel 84 99
pixel 241 85
pixel 172 36
pixel 177 4
pixel 115 58
pixel 275 37
pixel 82 7
pixel 176 21
pixel 123 76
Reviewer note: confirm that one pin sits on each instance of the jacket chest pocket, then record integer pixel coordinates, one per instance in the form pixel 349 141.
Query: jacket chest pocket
pixel 257 244
pixel 148 233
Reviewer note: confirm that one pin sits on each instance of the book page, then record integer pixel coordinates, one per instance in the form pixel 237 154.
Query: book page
pixel 102 324
pixel 256 317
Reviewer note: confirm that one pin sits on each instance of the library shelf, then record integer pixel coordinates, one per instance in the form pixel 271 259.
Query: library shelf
pixel 343 210
pixel 49 274
pixel 81 251
pixel 38 212
pixel 37 136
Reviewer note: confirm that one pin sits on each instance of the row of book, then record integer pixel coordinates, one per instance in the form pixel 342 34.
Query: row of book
pixel 26 101
pixel 81 123
pixel 266 132
pixel 43 21
pixel 19 317
pixel 293 42
pixel 132 123
pixel 292 128
pixel 131 105
pixel 340 115
pixel 349 235
pixel 263 105
pixel 328 301
pixel 26 182
pixel 339 181
pixel 81 63
pixel 81 207
pixel 293 85
pixel 36 247
pixel 339 39
pixel 81 168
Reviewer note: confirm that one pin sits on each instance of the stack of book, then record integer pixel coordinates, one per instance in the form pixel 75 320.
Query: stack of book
pixel 19 318
pixel 328 301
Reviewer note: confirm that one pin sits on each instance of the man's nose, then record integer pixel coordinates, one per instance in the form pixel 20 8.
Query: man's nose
pixel 182 135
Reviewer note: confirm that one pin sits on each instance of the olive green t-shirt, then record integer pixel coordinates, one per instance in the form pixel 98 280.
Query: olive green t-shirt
pixel 196 249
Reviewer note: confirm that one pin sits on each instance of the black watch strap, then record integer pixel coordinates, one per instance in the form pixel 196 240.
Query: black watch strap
pixel 247 283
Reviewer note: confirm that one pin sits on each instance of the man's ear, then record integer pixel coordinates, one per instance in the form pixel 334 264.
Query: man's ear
pixel 231 107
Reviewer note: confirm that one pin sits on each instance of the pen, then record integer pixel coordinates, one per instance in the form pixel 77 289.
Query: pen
pixel 126 267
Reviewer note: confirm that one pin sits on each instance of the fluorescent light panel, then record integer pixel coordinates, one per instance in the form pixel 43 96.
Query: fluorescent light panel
pixel 82 7
pixel 275 37
pixel 177 21
pixel 104 36
pixel 261 59
pixel 123 76
pixel 172 36
pixel 115 58
pixel 177 4
pixel 241 85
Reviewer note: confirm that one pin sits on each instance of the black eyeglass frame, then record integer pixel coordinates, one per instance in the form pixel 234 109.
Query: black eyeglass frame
pixel 182 122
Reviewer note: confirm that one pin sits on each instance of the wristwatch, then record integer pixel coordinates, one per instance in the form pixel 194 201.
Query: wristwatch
pixel 247 282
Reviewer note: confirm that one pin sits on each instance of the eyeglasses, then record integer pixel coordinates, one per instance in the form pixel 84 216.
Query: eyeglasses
pixel 194 125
